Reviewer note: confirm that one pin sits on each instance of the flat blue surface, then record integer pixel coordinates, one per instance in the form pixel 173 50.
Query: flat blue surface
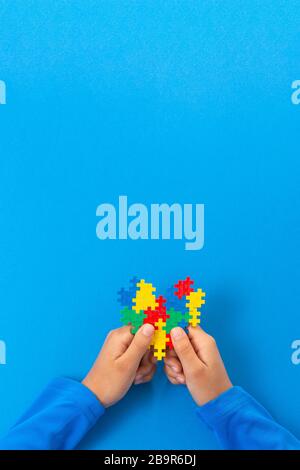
pixel 163 101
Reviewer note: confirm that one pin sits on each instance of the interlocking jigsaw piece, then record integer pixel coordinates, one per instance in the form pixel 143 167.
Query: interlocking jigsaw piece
pixel 125 295
pixel 194 301
pixel 184 287
pixel 133 284
pixel 184 323
pixel 194 317
pixel 170 344
pixel 128 316
pixel 161 308
pixel 174 318
pixel 151 316
pixel 137 322
pixel 160 340
pixel 173 300
pixel 144 297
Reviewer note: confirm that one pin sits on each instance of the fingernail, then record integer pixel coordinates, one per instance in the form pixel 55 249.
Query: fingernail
pixel 175 369
pixel 147 329
pixel 138 378
pixel 180 379
pixel 177 333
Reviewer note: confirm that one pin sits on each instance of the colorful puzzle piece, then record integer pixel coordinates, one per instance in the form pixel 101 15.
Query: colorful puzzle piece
pixel 170 344
pixel 184 323
pixel 184 287
pixel 128 316
pixel 144 297
pixel 140 306
pixel 173 300
pixel 160 340
pixel 195 301
pixel 151 316
pixel 126 295
pixel 173 320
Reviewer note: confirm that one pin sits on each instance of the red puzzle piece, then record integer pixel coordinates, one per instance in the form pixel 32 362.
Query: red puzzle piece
pixel 184 287
pixel 152 317
pixel 161 308
pixel 170 344
pixel 160 312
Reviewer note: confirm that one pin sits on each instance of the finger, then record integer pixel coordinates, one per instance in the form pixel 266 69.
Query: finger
pixel 173 362
pixel 138 346
pixel 117 341
pixel 184 350
pixel 147 358
pixel 153 359
pixel 204 344
pixel 173 374
pixel 170 373
pixel 145 365
pixel 173 381
pixel 145 370
pixel 144 379
pixel 171 353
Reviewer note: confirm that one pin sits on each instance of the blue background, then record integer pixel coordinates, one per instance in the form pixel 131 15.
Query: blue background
pixel 163 101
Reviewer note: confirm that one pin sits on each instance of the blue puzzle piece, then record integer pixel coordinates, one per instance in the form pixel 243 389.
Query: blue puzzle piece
pixel 133 282
pixel 183 324
pixel 173 301
pixel 125 296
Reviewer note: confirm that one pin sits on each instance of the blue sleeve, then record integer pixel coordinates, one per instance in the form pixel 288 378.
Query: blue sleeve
pixel 60 417
pixel 240 422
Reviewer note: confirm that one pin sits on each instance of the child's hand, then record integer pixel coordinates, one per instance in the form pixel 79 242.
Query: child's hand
pixel 196 361
pixel 123 359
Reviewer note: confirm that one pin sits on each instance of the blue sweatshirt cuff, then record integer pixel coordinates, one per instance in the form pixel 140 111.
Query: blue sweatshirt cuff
pixel 81 396
pixel 228 402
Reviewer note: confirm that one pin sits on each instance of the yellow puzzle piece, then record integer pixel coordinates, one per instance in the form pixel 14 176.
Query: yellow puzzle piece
pixel 194 301
pixel 160 340
pixel 194 315
pixel 144 297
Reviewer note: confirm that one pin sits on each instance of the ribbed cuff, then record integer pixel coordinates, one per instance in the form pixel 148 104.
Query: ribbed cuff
pixel 216 410
pixel 81 396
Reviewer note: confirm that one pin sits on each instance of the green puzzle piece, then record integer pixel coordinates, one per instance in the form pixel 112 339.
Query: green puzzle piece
pixel 186 316
pixel 175 317
pixel 129 316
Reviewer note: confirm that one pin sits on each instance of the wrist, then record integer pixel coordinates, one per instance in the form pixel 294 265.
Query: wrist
pixel 92 385
pixel 207 395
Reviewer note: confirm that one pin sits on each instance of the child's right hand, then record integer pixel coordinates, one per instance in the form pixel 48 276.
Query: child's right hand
pixel 196 361
pixel 123 360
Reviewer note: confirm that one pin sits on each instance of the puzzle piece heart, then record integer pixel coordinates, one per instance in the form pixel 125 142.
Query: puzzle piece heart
pixel 140 305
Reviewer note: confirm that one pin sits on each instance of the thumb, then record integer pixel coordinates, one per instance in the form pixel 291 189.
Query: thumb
pixel 138 346
pixel 184 350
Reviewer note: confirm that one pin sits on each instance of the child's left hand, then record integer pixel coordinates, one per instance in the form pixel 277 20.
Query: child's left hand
pixel 123 360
